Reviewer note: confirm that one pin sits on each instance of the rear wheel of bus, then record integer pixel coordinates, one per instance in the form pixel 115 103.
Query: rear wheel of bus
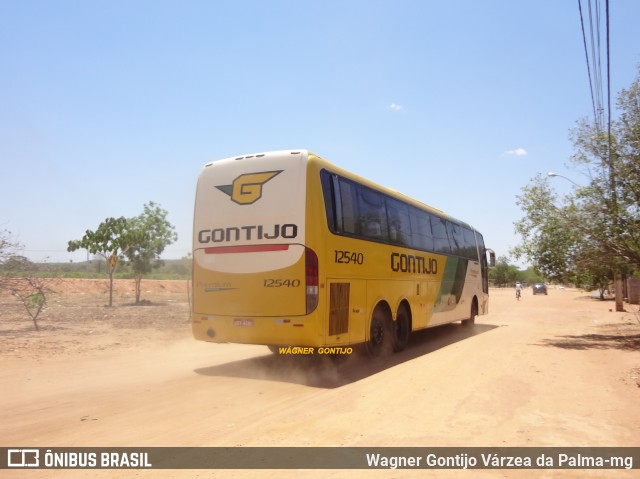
pixel 473 313
pixel 401 328
pixel 379 330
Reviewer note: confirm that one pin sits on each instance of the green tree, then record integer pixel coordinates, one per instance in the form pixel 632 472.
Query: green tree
pixel 530 276
pixel 146 237
pixel 17 264
pixel 564 241
pixel 545 229
pixel 8 245
pixel 612 162
pixel 593 233
pixel 20 277
pixel 503 273
pixel 106 241
pixel 32 292
pixel 8 248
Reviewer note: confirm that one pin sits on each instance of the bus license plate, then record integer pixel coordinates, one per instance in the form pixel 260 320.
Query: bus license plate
pixel 243 323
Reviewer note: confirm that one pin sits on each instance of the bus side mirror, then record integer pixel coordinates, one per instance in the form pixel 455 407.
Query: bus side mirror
pixel 492 257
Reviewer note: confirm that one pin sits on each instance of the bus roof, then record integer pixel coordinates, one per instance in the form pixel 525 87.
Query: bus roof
pixel 324 163
pixel 384 189
pixel 303 153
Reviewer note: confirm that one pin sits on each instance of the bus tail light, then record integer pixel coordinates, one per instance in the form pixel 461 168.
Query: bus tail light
pixel 311 274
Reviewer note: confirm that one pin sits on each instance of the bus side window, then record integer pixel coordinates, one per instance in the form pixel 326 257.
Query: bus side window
pixel 399 222
pixel 470 247
pixel 440 236
pixel 328 193
pixel 421 236
pixel 456 238
pixel 373 215
pixel 348 207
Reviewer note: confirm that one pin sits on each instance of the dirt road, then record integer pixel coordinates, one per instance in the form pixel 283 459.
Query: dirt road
pixel 556 370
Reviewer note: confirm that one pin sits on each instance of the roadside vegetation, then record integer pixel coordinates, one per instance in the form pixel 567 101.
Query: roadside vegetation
pixel 122 248
pixel 506 275
pixel 28 287
pixel 139 241
pixel 591 236
pixel 95 268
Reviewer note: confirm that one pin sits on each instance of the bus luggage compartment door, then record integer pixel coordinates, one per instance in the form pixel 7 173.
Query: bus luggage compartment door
pixel 345 311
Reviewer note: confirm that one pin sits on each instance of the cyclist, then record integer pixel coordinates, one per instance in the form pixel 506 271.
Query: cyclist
pixel 518 290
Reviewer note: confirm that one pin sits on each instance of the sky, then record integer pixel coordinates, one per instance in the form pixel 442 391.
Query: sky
pixel 107 105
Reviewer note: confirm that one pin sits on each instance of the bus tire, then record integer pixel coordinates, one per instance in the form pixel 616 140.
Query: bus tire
pixel 379 331
pixel 474 312
pixel 401 328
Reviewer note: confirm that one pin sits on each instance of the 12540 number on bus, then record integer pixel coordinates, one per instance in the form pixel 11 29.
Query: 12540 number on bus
pixel 348 257
pixel 281 283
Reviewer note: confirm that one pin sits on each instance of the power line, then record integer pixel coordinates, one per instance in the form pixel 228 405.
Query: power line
pixel 593 57
pixel 608 80
pixel 586 56
pixel 612 179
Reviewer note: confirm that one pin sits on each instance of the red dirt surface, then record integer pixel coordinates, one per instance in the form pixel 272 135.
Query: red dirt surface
pixel 557 370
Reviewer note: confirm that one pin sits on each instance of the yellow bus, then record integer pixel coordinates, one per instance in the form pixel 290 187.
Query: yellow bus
pixel 291 250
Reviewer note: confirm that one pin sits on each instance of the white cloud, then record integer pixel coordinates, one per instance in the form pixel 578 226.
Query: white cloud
pixel 517 152
pixel 395 107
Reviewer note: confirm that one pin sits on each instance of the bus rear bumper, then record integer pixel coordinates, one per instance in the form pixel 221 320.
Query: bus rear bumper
pixel 294 331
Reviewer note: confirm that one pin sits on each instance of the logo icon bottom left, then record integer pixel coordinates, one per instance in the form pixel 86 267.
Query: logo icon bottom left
pixel 23 457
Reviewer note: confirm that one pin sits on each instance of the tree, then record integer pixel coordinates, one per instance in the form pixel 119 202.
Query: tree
pixel 146 237
pixel 106 241
pixel 503 273
pixel 593 233
pixel 612 163
pixel 564 241
pixel 32 292
pixel 17 264
pixel 8 248
pixel 545 230
pixel 530 276
pixel 141 240
pixel 19 277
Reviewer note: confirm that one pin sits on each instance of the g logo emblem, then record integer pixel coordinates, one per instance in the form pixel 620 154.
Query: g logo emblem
pixel 247 189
